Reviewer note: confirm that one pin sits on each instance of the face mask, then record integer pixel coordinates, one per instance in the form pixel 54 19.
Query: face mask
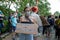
pixel 28 13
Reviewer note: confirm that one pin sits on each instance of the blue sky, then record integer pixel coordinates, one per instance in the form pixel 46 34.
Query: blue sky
pixel 55 5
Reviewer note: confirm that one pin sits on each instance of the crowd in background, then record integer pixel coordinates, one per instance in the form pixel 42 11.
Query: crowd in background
pixel 47 23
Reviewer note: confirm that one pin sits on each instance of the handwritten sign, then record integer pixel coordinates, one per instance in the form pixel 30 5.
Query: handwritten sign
pixel 27 28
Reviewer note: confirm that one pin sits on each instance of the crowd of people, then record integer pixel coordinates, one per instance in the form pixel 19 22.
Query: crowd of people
pixel 30 15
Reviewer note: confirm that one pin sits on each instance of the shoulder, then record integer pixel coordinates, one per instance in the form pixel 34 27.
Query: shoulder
pixel 35 15
pixel 32 19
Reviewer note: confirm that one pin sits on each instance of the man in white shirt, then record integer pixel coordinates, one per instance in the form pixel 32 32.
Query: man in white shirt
pixel 37 19
pixel 36 16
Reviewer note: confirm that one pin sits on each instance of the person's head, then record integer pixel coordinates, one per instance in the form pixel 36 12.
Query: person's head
pixel 27 11
pixel 52 16
pixel 56 17
pixel 34 9
pixel 10 14
pixel 49 16
pixel 14 15
pixel 42 17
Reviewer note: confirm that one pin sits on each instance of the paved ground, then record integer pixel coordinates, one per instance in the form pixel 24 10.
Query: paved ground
pixel 41 37
pixel 38 38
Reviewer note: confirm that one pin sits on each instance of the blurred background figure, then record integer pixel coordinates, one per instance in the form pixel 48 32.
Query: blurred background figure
pixel 26 19
pixel 46 26
pixel 9 22
pixel 13 24
pixel 1 21
pixel 55 26
pixel 57 23
pixel 38 21
pixel 50 19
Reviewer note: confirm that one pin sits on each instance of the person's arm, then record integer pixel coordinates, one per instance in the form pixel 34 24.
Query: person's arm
pixel 39 22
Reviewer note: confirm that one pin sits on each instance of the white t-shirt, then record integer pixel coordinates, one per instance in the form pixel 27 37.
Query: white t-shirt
pixel 37 18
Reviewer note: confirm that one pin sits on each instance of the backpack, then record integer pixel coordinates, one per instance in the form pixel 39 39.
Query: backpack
pixel 51 21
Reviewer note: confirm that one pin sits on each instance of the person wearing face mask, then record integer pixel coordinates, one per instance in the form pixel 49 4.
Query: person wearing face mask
pixel 26 19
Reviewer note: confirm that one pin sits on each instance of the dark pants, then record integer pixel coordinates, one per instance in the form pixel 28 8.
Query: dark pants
pixel 57 32
pixel 1 26
pixel 46 28
pixel 13 28
pixel 18 19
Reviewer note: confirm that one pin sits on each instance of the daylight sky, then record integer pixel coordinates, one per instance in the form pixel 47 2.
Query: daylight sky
pixel 55 5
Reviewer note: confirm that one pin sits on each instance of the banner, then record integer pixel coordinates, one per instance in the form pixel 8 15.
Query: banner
pixel 27 28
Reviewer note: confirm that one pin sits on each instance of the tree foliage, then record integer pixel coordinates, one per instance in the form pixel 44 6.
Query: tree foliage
pixel 43 5
pixel 57 13
pixel 5 11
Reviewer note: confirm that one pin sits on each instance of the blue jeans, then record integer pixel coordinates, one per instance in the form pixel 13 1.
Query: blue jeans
pixel 1 25
pixel 25 37
pixel 13 28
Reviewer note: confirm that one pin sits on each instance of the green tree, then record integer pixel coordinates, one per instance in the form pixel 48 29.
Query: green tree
pixel 57 13
pixel 44 7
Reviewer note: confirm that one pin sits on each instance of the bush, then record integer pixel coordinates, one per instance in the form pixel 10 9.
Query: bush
pixel 4 29
pixel 6 12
